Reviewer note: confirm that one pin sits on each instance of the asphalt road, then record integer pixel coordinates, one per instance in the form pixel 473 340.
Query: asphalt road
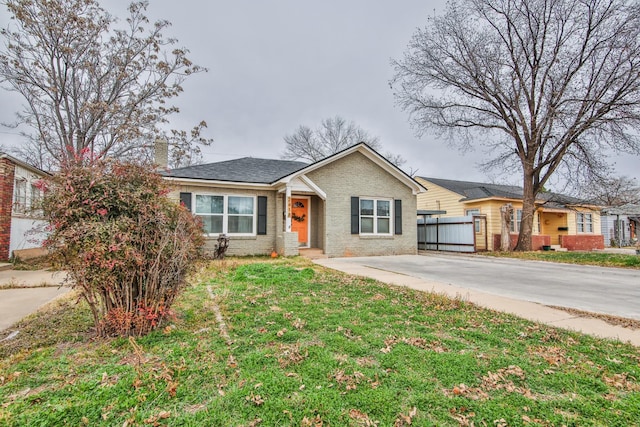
pixel 614 291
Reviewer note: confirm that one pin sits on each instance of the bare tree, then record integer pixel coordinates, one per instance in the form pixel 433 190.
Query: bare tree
pixel 333 135
pixel 614 192
pixel 551 83
pixel 92 90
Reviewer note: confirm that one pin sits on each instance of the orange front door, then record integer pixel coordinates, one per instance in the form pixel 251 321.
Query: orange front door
pixel 300 219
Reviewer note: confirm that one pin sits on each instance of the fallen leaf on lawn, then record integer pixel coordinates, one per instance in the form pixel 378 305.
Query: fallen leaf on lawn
pixel 315 422
pixel 192 409
pixel 172 386
pixel 255 399
pixel 231 362
pixel 406 420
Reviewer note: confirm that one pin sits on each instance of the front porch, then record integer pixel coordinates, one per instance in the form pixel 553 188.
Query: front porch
pixel 301 205
pixel 313 253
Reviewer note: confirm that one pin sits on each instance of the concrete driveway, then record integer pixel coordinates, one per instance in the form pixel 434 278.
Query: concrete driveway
pixel 23 292
pixel 612 291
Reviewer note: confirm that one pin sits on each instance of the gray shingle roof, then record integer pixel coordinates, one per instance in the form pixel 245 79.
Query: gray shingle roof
pixel 246 169
pixel 628 209
pixel 478 190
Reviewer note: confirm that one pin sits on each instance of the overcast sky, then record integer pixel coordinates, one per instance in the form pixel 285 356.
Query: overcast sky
pixel 275 65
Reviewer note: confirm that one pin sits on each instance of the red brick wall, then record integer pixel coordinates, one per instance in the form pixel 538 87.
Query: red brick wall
pixel 582 242
pixel 537 242
pixel 7 173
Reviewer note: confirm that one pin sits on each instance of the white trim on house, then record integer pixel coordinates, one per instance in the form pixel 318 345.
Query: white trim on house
pixel 24 165
pixel 225 215
pixel 314 187
pixel 222 184
pixel 300 175
pixel 371 155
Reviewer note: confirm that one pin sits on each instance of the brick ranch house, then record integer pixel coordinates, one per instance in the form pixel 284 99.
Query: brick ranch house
pixel 353 203
pixel 19 226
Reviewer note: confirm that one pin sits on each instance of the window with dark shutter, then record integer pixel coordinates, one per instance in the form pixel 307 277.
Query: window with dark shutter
pixel 262 215
pixel 397 216
pixel 185 200
pixel 355 215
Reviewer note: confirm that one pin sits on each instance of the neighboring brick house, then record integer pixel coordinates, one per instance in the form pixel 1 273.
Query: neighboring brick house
pixel 353 203
pixel 18 224
pixel 559 219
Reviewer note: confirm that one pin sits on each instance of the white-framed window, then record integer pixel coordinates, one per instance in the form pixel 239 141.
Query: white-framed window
pixel 375 216
pixel 228 214
pixel 476 223
pixel 36 197
pixel 584 222
pixel 515 222
pixel 20 195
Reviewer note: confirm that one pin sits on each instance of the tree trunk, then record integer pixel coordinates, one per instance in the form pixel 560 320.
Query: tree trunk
pixel 505 237
pixel 528 210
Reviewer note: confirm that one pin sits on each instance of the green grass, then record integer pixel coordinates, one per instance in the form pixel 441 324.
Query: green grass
pixel 584 258
pixel 312 347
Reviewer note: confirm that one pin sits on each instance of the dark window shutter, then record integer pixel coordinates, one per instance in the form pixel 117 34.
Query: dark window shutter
pixel 262 215
pixel 185 200
pixel 355 215
pixel 398 216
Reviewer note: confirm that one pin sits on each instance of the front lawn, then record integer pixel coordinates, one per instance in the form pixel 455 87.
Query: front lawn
pixel 601 259
pixel 258 342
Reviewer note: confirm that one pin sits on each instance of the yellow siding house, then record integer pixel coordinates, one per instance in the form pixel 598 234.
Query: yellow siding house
pixel 559 221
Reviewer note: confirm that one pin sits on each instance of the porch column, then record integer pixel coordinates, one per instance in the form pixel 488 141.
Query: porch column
pixel 287 209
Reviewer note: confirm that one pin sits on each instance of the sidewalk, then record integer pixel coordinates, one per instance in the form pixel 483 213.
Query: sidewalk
pixel 524 309
pixel 23 292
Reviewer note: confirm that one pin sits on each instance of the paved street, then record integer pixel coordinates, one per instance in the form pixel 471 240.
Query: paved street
pixel 603 290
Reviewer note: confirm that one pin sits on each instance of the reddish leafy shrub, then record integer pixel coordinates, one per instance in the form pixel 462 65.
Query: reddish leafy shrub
pixel 126 246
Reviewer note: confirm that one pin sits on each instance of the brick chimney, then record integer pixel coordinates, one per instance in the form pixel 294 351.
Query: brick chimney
pixel 161 155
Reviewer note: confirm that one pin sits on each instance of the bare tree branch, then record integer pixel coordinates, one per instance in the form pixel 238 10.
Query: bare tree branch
pixel 333 135
pixel 553 82
pixel 92 87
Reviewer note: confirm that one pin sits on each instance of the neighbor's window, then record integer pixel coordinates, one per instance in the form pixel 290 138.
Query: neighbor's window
pixel 226 214
pixel 584 222
pixel 36 197
pixel 476 222
pixel 375 216
pixel 20 195
pixel 515 223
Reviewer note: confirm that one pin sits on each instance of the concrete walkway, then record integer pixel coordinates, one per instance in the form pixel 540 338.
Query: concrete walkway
pixel 23 292
pixel 527 310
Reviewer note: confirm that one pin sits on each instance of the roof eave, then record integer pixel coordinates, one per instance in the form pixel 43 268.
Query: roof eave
pixel 201 182
pixel 368 152
pixel 24 165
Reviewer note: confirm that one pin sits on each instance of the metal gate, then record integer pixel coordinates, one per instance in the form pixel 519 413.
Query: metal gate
pixel 455 234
